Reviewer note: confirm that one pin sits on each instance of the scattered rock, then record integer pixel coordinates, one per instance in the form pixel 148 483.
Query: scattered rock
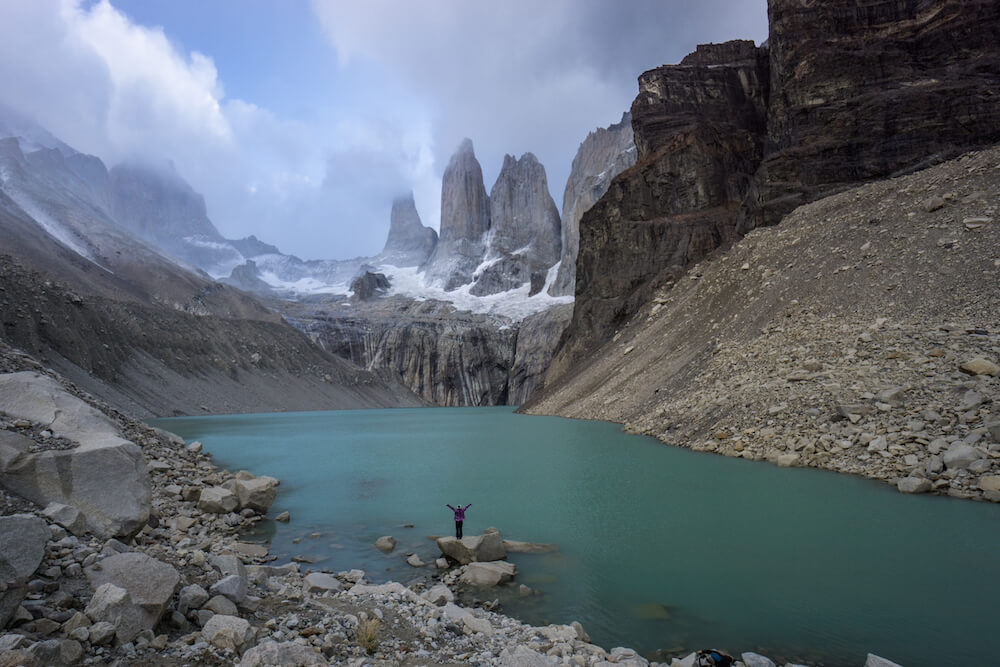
pixel 228 632
pixel 283 654
pixel 150 583
pixel 22 548
pixel 386 543
pixel 488 574
pixel 914 485
pixel 980 366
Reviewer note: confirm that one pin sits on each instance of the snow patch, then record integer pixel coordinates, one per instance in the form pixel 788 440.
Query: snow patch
pixel 55 229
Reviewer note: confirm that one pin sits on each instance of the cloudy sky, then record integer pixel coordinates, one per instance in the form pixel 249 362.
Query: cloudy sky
pixel 299 121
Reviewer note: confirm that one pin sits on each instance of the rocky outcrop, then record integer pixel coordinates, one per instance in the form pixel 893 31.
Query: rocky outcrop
pixel 736 136
pixel 700 131
pixel 369 286
pixel 103 476
pixel 465 219
pixel 605 153
pixel 537 339
pixel 445 356
pixel 524 238
pixel 409 243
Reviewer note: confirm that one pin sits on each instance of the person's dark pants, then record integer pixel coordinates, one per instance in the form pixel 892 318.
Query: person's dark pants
pixel 458 529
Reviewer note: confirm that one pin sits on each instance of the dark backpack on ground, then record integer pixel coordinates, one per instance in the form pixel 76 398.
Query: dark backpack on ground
pixel 713 658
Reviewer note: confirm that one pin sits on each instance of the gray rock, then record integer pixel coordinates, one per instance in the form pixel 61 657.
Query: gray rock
pixel 414 561
pixel 56 652
pixel 892 395
pixel 101 633
pixel 22 549
pixel 522 656
pixel 993 428
pixel 486 547
pixel 13 642
pixel 105 477
pixel 874 661
pixel 934 465
pixel 150 583
pixel 970 400
pixel 959 455
pixel 490 546
pixel 68 517
pixel 913 485
pixel 488 574
pixel 284 654
pixel 217 500
pixel 438 594
pixel 386 543
pixel 980 366
pixel 465 219
pixel 191 597
pixel 256 494
pixel 232 586
pixel 228 632
pixel 112 604
pixel 756 660
pixel 284 517
pixel 221 605
pixel 408 243
pixel 318 583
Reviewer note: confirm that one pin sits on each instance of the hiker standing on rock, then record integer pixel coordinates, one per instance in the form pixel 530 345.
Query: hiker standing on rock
pixel 459 518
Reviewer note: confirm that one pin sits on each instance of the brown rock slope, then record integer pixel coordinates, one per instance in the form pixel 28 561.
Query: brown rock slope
pixel 834 340
pixel 155 360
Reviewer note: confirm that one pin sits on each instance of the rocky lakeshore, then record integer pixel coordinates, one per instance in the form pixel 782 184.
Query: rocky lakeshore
pixel 171 583
pixel 860 335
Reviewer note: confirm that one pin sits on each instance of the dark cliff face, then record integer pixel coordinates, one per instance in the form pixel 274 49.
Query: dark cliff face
pixel 867 89
pixel 699 130
pixel 736 136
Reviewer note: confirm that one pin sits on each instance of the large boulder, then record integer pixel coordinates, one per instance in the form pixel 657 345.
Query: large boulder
pixel 284 654
pixel 230 632
pixel 256 494
pixel 475 548
pixel 105 477
pixel 150 583
pixel 960 454
pixel 522 656
pixel 488 574
pixel 112 604
pixel 217 500
pixel 22 548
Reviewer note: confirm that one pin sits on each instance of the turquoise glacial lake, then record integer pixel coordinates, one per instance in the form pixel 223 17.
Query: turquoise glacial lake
pixel 660 548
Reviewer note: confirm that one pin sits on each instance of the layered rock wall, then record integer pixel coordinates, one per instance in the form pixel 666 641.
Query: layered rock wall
pixel 735 136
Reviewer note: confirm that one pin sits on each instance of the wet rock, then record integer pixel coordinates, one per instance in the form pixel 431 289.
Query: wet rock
pixel 385 544
pixel 875 661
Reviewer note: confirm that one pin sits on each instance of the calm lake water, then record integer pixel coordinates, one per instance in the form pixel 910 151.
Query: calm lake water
pixel 661 548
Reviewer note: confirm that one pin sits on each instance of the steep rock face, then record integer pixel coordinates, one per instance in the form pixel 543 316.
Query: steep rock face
pixel 605 153
pixel 409 243
pixel 699 129
pixel 524 226
pixel 445 356
pixel 867 89
pixel 159 206
pixel 735 136
pixel 465 219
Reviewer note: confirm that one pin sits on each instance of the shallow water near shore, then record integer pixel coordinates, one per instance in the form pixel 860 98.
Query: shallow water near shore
pixel 660 548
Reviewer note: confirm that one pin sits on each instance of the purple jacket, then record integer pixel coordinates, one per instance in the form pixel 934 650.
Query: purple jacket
pixel 459 511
